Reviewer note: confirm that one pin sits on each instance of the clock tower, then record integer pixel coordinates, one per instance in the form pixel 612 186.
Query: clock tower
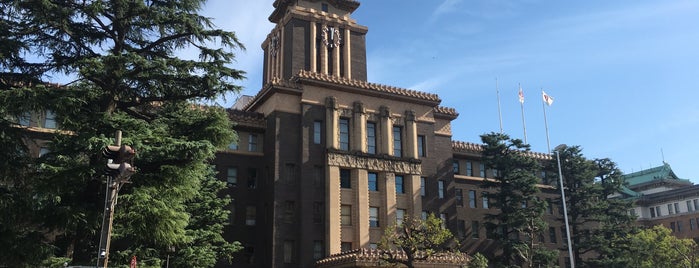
pixel 317 36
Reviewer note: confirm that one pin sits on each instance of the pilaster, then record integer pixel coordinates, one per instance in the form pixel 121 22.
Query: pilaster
pixel 362 207
pixel 386 133
pixel 410 135
pixel 333 226
pixel 359 132
pixel 331 124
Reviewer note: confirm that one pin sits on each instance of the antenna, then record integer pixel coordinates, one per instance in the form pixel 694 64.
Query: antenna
pixel 662 154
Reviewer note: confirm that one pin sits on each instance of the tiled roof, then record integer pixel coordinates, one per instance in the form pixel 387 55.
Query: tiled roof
pixel 368 86
pixel 373 256
pixel 448 111
pixel 460 146
pixel 246 118
pixel 663 172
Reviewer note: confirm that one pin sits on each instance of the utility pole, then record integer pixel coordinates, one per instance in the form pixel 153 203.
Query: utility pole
pixel 118 172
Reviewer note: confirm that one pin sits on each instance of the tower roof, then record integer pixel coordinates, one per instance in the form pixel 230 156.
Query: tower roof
pixel 280 6
pixel 659 173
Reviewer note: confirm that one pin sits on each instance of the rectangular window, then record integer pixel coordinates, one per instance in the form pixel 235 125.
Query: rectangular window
pixel 440 186
pixel 288 251
pixel 486 202
pixel 317 131
pixel 672 226
pixel 657 211
pixel 344 134
pixel 456 166
pixel 232 177
pixel 421 149
pixel 679 226
pixel 669 209
pixel 552 235
pixel 400 189
pixel 469 168
pixel 324 7
pixel 371 137
pixel 400 215
pixel 397 143
pixel 289 211
pixel 373 181
pixel 689 206
pixel 677 207
pixel 317 249
pixel 346 215
pixel 49 119
pixel 475 229
pixel 250 215
pixel 252 178
pixel 233 146
pixel 460 228
pixel 482 170
pixel 472 199
pixel 252 143
pixel 345 179
pixel 422 186
pixel 549 206
pixel 290 173
pixel 423 215
pixel 318 212
pixel 696 204
pixel 691 224
pixel 373 217
pixel 459 197
pixel 652 212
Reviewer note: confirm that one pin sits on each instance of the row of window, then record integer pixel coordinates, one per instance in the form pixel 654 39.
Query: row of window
pixel 490 233
pixel 46 119
pixel 232 177
pixel 371 137
pixel 252 143
pixel 674 208
pixel 346 183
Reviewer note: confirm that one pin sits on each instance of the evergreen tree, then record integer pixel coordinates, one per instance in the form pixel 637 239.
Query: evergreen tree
pixel 519 217
pixel 598 224
pixel 121 57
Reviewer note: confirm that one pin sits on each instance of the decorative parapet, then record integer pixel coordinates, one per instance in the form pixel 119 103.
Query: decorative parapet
pixel 467 147
pixel 445 112
pixel 249 119
pixel 375 258
pixel 303 74
pixel 390 164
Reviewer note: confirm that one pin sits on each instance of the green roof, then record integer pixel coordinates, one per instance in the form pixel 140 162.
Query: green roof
pixel 663 172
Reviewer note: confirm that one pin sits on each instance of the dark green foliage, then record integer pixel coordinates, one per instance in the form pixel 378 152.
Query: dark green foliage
pixel 599 224
pixel 120 55
pixel 519 220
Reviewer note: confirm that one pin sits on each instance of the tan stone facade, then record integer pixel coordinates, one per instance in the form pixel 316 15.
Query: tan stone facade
pixel 339 158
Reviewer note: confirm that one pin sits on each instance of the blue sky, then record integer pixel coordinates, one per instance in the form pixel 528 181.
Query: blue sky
pixel 624 74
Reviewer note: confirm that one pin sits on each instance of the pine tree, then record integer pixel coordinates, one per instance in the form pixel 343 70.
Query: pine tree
pixel 519 219
pixel 415 240
pixel 599 224
pixel 121 58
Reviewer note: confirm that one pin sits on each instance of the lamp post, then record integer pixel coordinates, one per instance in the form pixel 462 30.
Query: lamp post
pixel 563 200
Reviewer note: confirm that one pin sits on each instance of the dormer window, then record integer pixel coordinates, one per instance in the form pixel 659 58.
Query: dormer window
pixel 324 7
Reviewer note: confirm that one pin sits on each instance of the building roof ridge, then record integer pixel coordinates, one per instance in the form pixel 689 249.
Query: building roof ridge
pixel 303 74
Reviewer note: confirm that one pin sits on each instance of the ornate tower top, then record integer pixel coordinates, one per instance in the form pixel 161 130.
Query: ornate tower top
pixel 316 36
pixel 339 7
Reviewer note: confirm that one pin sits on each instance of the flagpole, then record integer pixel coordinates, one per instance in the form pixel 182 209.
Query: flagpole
pixel 497 90
pixel 521 103
pixel 543 105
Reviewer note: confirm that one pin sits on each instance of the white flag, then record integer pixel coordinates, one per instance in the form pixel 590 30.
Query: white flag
pixel 547 99
pixel 521 95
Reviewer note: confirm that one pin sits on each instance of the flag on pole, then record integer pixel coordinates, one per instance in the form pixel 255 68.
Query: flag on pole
pixel 521 95
pixel 547 99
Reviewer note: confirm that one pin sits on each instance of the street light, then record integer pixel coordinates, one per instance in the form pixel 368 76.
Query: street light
pixel 563 200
